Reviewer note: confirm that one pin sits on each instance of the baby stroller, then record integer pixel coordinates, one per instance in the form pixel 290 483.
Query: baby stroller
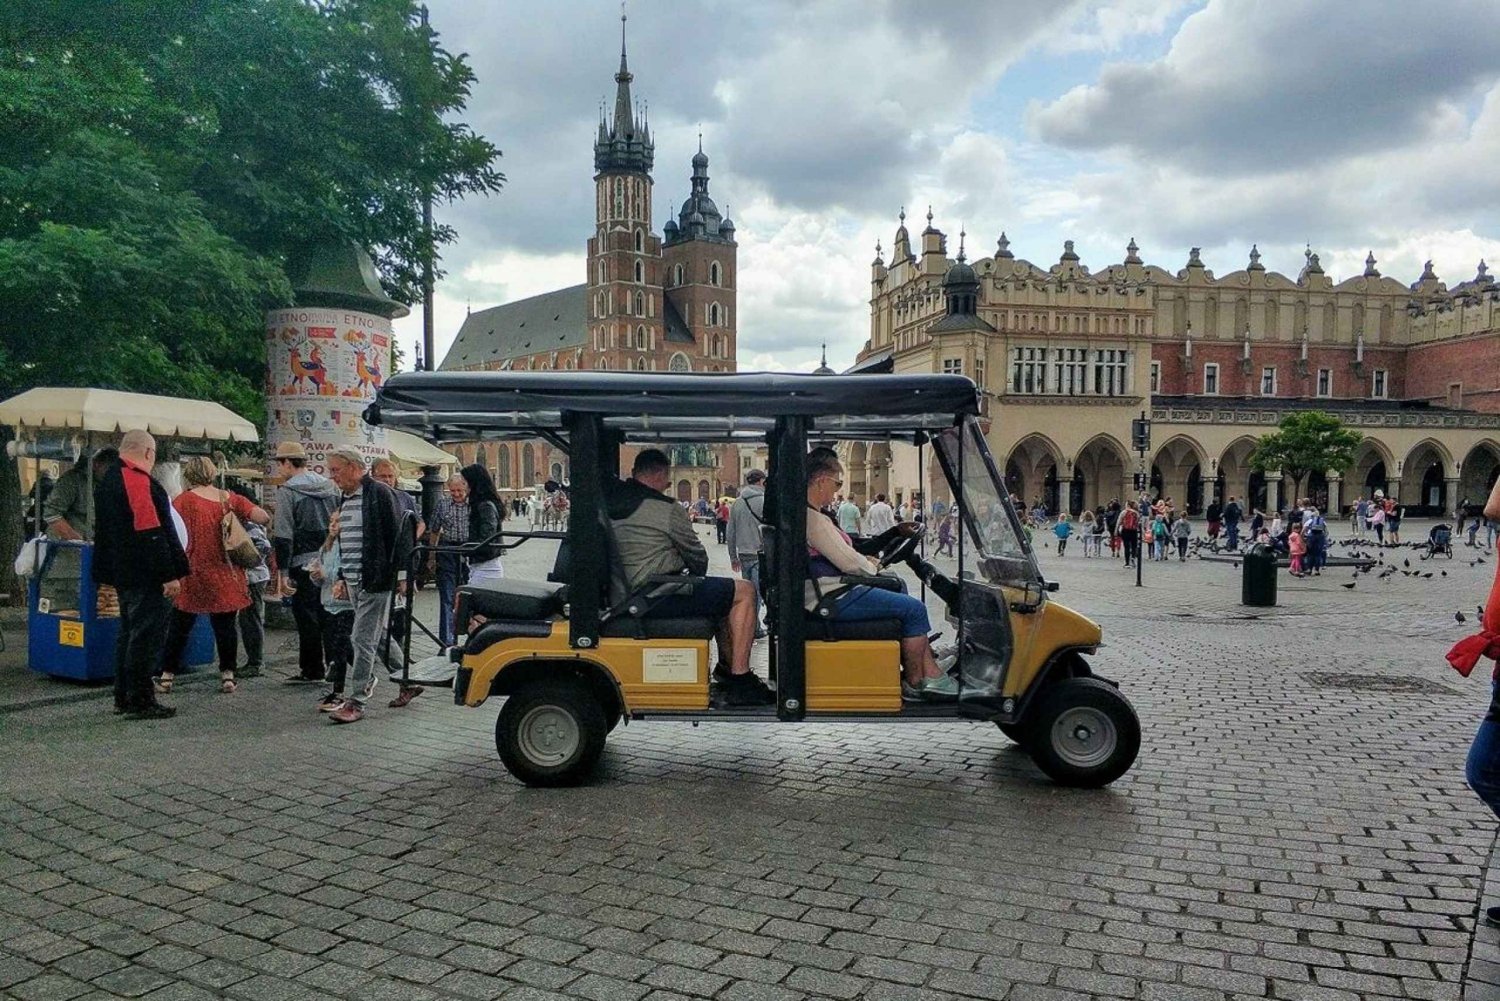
pixel 1440 540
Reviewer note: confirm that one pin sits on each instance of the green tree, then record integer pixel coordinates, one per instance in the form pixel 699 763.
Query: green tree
pixel 1304 442
pixel 160 160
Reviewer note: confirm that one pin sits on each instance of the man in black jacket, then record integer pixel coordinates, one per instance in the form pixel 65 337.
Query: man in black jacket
pixel 137 552
pixel 373 552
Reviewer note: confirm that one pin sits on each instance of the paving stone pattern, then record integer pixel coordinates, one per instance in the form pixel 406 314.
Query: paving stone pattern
pixel 1280 837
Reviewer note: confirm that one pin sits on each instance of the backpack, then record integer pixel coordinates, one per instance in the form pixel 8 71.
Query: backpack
pixel 311 514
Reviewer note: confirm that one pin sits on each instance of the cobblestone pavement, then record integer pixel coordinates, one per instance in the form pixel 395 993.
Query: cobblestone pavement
pixel 1297 827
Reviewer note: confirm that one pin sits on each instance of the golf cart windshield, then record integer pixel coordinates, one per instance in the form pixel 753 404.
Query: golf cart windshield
pixel 1003 555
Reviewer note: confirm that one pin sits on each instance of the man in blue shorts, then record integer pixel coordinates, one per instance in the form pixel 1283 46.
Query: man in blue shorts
pixel 655 536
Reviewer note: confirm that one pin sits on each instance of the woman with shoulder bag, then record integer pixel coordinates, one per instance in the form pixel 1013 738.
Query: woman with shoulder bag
pixel 485 519
pixel 215 585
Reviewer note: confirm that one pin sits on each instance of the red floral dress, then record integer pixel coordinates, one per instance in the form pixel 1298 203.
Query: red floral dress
pixel 213 584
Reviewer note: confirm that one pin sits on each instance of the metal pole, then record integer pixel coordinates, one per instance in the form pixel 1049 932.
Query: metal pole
pixel 427 249
pixel 1140 535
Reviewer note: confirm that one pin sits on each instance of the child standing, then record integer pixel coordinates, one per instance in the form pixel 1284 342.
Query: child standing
pixel 1062 530
pixel 1086 529
pixel 337 632
pixel 1296 546
pixel 1182 531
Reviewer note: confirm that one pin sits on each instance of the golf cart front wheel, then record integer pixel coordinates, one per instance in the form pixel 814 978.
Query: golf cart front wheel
pixel 551 733
pixel 1015 731
pixel 1083 733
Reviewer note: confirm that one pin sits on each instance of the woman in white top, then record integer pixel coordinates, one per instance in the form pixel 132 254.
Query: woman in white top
pixel 830 555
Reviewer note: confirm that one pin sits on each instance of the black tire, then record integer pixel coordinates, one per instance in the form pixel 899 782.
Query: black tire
pixel 1083 733
pixel 551 733
pixel 611 719
pixel 1015 731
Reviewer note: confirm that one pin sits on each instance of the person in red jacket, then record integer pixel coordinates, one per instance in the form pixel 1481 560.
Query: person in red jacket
pixel 138 553
pixel 1130 534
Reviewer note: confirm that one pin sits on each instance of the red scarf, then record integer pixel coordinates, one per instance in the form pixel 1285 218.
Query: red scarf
pixel 1486 643
pixel 138 496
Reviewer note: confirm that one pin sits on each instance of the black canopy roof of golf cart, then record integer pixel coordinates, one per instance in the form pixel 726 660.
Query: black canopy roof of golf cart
pixel 458 406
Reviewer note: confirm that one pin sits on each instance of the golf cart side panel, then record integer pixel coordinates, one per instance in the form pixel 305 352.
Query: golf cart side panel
pixel 649 674
pixel 853 676
pixel 1047 631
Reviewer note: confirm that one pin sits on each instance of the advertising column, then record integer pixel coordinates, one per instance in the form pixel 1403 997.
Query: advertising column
pixel 327 356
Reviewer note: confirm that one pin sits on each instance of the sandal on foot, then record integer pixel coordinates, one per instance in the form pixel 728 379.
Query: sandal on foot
pixel 227 686
pixel 163 685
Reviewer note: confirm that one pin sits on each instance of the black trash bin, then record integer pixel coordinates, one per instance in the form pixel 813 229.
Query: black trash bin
pixel 1258 587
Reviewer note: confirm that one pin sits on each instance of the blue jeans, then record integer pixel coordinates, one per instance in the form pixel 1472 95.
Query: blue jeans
pixel 450 574
pixel 750 570
pixel 1232 534
pixel 864 603
pixel 1483 767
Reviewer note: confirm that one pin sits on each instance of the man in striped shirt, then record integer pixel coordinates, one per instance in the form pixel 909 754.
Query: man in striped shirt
pixel 372 554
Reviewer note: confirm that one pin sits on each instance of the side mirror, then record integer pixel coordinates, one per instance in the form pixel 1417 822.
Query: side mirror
pixel 1053 585
pixel 1032 594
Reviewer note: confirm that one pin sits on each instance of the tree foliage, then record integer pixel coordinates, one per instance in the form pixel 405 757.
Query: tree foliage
pixel 159 160
pixel 1306 441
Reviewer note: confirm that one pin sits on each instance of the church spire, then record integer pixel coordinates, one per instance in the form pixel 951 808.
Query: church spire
pixel 624 125
pixel 626 145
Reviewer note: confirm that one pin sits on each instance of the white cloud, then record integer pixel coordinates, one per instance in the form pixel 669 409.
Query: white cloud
pixel 1285 82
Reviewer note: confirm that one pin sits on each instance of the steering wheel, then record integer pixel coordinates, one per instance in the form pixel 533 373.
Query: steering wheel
pixel 901 551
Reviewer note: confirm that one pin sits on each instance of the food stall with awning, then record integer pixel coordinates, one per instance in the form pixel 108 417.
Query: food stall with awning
pixel 72 624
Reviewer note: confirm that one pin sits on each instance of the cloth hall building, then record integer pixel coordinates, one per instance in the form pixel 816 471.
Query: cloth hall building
pixel 1067 356
pixel 648 303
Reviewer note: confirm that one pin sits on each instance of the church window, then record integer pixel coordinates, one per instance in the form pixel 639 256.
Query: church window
pixel 640 338
pixel 640 243
pixel 640 272
pixel 680 363
pixel 640 304
pixel 600 269
pixel 713 314
pixel 640 365
pixel 715 276
pixel 502 466
pixel 677 275
pixel 603 364
pixel 619 198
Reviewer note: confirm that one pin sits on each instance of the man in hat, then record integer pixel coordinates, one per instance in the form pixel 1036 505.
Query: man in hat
pixel 304 505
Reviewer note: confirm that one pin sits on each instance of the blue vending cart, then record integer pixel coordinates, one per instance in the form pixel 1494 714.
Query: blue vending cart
pixel 69 634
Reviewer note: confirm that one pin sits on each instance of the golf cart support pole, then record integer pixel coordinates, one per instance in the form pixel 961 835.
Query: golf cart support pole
pixel 585 533
pixel 789 484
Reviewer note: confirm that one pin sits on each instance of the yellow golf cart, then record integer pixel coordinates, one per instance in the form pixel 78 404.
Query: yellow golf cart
pixel 577 654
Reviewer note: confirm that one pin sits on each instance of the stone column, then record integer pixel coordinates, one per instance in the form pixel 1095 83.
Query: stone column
pixel 1273 491
pixel 1335 501
pixel 1064 488
pixel 328 354
pixel 1450 496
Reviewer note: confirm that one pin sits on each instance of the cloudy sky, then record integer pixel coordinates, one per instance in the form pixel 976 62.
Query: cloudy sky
pixel 1212 124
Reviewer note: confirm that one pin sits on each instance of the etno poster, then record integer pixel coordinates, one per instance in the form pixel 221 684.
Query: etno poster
pixel 323 367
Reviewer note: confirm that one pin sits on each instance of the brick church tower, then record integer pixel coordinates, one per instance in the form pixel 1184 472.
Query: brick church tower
pixel 625 305
pixel 699 267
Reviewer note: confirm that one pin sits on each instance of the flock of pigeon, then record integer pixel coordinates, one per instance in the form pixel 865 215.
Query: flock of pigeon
pixel 1373 556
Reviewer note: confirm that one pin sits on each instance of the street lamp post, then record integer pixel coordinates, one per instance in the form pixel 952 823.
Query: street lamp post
pixel 1140 437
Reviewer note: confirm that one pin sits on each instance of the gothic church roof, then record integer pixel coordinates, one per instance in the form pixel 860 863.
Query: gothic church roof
pixel 552 321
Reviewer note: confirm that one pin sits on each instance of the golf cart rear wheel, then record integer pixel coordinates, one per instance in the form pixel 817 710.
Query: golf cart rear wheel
pixel 1083 733
pixel 551 733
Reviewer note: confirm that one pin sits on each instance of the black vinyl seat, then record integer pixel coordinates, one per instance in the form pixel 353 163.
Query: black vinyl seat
pixel 512 599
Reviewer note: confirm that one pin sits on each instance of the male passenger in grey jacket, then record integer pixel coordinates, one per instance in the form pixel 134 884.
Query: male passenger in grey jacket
pixel 744 536
pixel 655 536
